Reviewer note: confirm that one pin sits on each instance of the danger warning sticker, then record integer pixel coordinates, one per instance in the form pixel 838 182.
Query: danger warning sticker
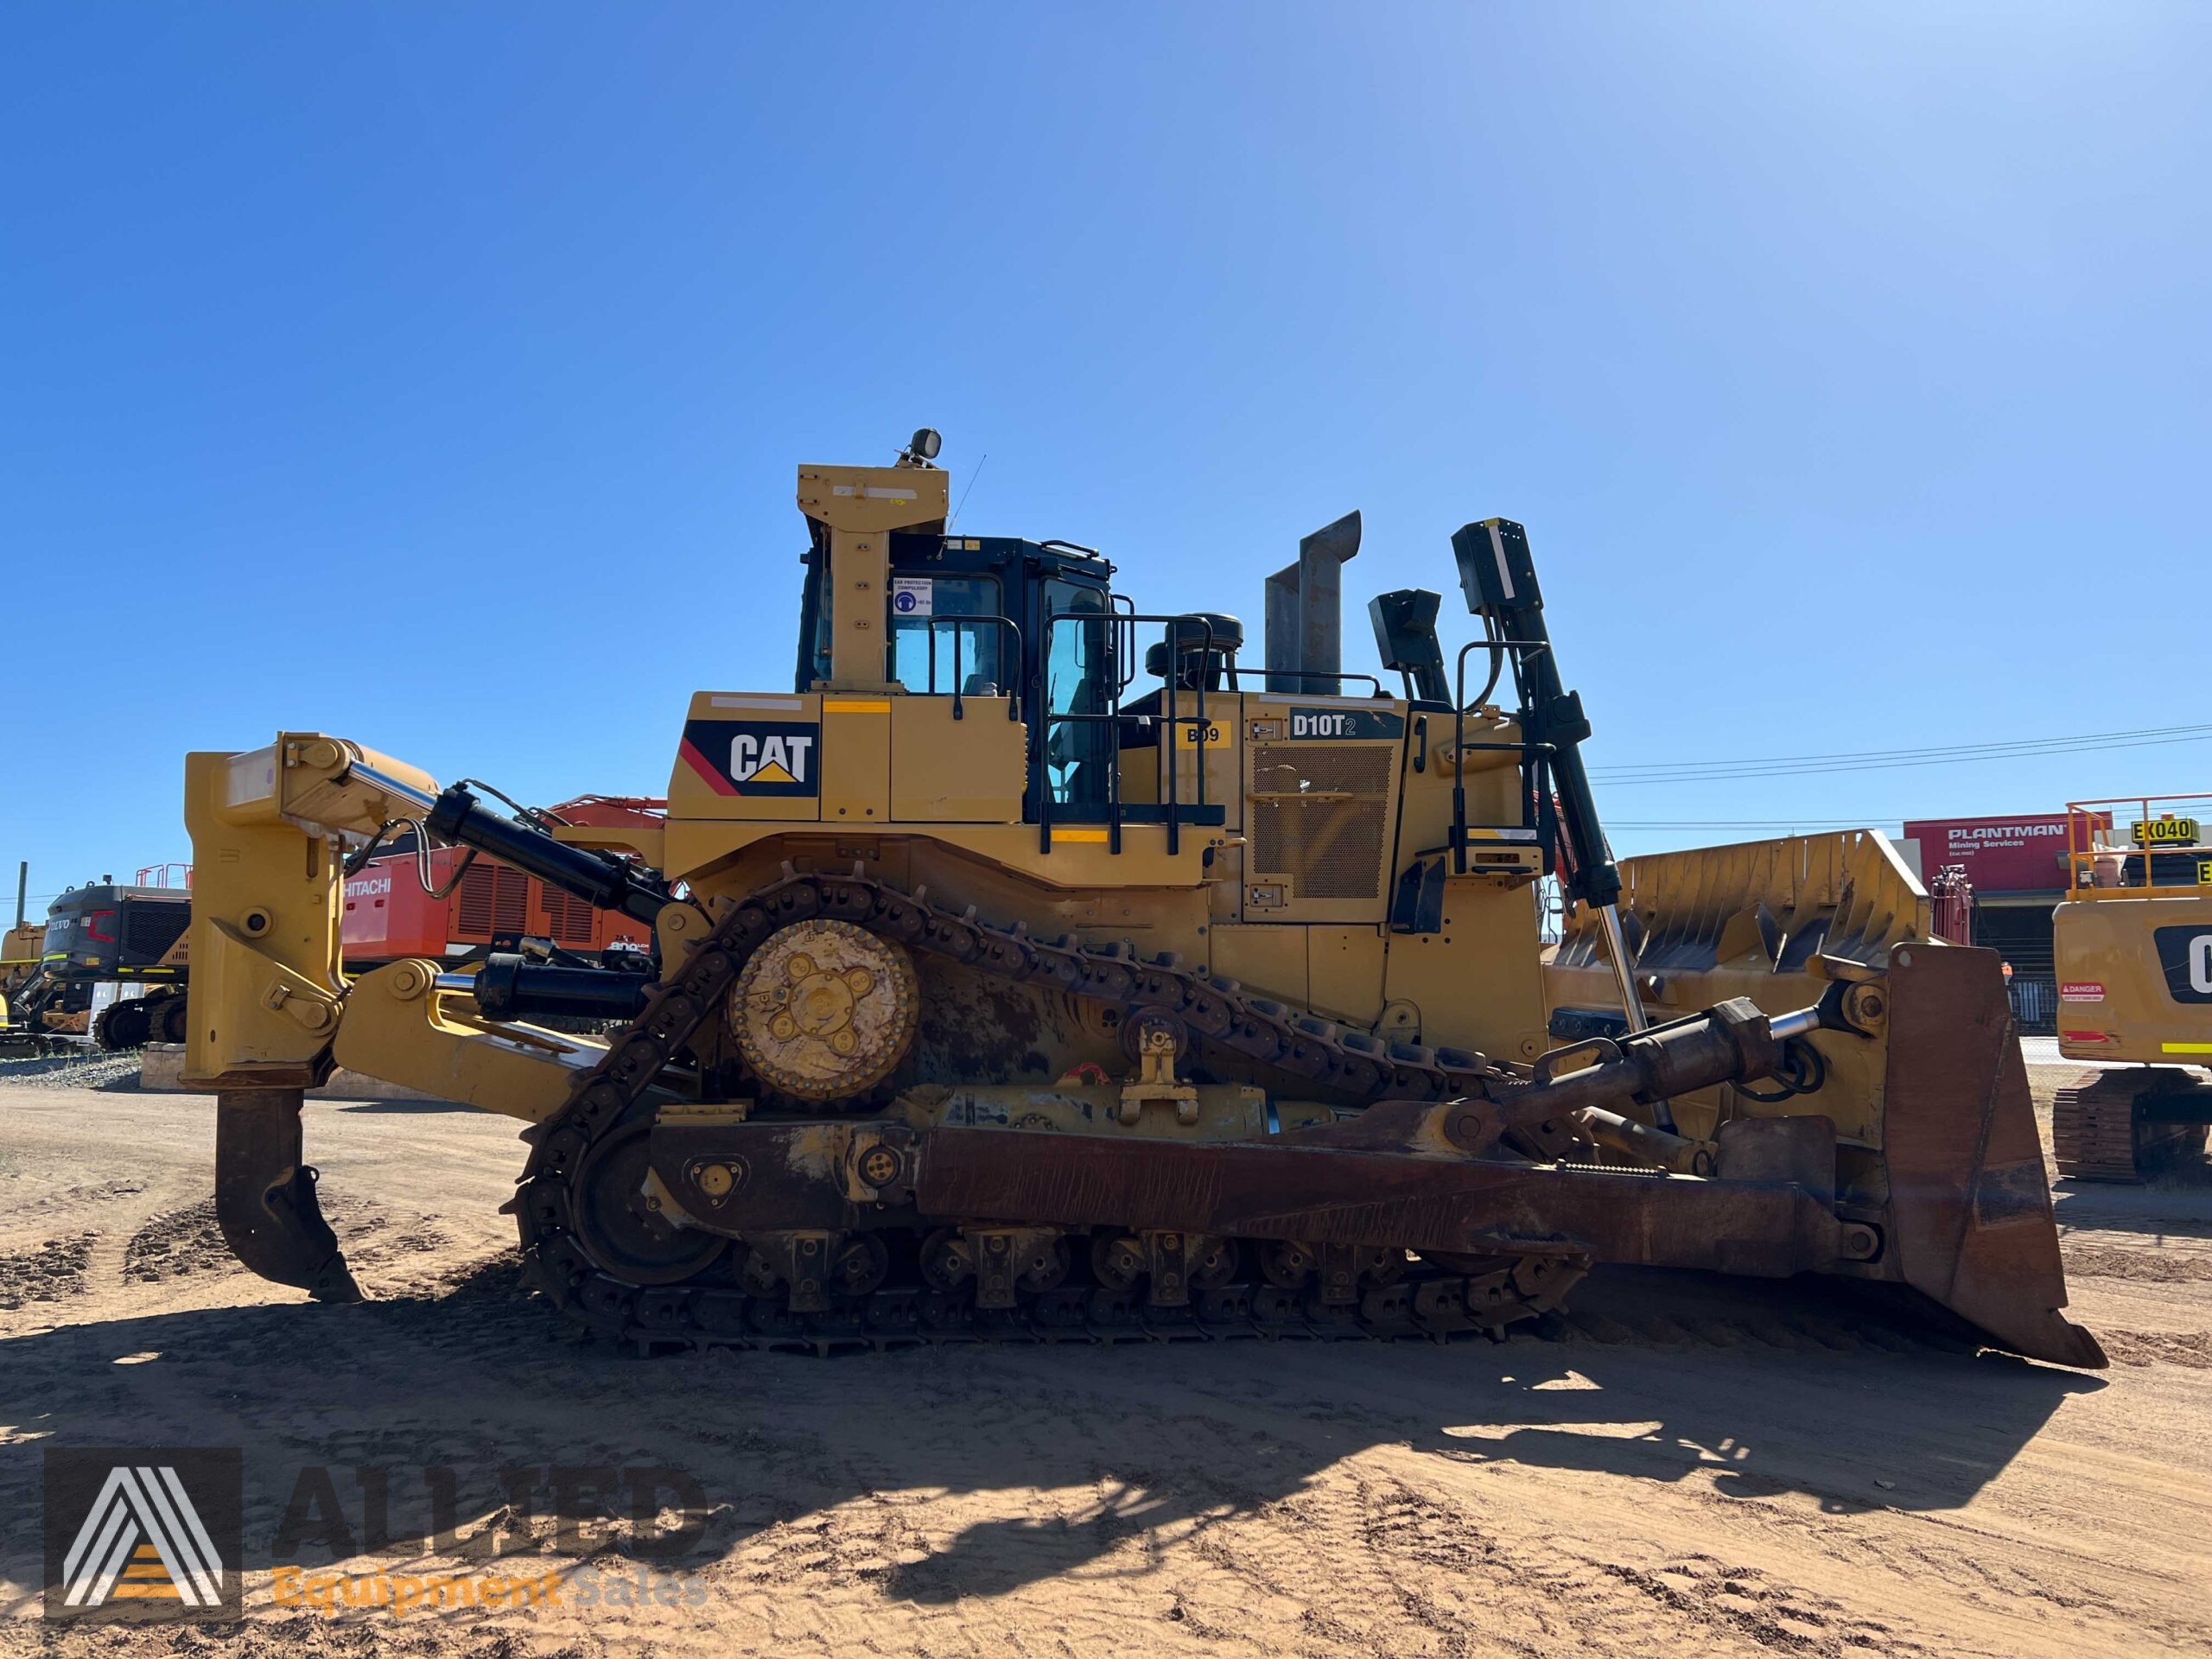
pixel 2080 990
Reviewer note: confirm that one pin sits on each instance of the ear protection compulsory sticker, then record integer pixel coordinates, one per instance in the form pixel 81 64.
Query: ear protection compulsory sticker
pixel 756 757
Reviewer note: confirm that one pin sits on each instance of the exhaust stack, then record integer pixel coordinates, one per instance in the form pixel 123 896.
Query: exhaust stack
pixel 1305 611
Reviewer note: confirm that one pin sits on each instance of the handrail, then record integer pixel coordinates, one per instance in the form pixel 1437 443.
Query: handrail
pixel 1319 674
pixel 1460 745
pixel 1013 693
pixel 1113 717
pixel 2090 853
pixel 1125 652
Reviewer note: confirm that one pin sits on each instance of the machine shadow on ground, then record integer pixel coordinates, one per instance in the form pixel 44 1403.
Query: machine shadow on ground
pixel 2177 1202
pixel 1075 1448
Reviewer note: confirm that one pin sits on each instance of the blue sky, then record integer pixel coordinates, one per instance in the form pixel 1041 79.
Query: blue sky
pixel 436 375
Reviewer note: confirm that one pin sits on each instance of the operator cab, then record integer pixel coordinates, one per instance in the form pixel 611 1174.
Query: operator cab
pixel 1035 623
pixel 997 616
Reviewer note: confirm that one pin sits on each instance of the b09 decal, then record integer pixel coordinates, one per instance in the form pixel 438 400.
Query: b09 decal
pixel 756 757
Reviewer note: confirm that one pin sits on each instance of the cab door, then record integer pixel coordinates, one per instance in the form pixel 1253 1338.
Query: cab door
pixel 1078 748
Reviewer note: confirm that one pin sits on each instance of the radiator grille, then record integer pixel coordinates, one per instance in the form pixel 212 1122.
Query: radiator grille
pixel 493 899
pixel 1329 845
pixel 571 919
pixel 150 926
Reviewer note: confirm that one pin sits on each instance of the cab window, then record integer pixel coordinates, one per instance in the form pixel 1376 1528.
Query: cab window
pixel 1077 752
pixel 929 641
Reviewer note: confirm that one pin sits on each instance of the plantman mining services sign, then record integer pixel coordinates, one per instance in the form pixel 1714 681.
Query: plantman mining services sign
pixel 2018 854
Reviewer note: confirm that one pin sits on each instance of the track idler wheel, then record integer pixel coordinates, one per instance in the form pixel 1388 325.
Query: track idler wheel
pixel 264 1195
pixel 620 1225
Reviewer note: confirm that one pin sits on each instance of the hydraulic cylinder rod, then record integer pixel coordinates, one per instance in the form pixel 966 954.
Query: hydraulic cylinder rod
pixel 601 880
pixel 361 772
pixel 508 987
pixel 1731 1042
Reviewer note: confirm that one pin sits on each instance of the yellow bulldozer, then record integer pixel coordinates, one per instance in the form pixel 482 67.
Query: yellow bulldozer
pixel 2132 950
pixel 21 949
pixel 1003 989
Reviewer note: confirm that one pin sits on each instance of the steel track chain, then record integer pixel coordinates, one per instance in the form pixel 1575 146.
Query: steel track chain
pixel 712 1311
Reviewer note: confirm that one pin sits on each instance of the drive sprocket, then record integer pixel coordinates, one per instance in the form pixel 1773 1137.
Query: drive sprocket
pixel 825 1010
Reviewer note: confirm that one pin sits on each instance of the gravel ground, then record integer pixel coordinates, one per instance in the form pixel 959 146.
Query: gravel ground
pixel 89 1070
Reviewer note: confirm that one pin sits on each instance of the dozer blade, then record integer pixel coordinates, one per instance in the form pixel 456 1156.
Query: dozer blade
pixel 1935 1135
pixel 1970 1199
pixel 264 1195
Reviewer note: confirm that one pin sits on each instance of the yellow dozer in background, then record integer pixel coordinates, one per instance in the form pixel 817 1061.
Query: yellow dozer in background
pixel 2132 947
pixel 21 949
pixel 1003 989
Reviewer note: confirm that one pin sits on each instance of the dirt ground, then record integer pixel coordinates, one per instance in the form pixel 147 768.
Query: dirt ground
pixel 1681 1466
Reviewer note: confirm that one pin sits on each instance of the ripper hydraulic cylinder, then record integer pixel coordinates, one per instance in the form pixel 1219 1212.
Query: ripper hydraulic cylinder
pixel 601 880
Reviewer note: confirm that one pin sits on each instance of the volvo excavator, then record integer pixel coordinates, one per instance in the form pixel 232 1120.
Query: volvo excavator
pixel 1003 990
